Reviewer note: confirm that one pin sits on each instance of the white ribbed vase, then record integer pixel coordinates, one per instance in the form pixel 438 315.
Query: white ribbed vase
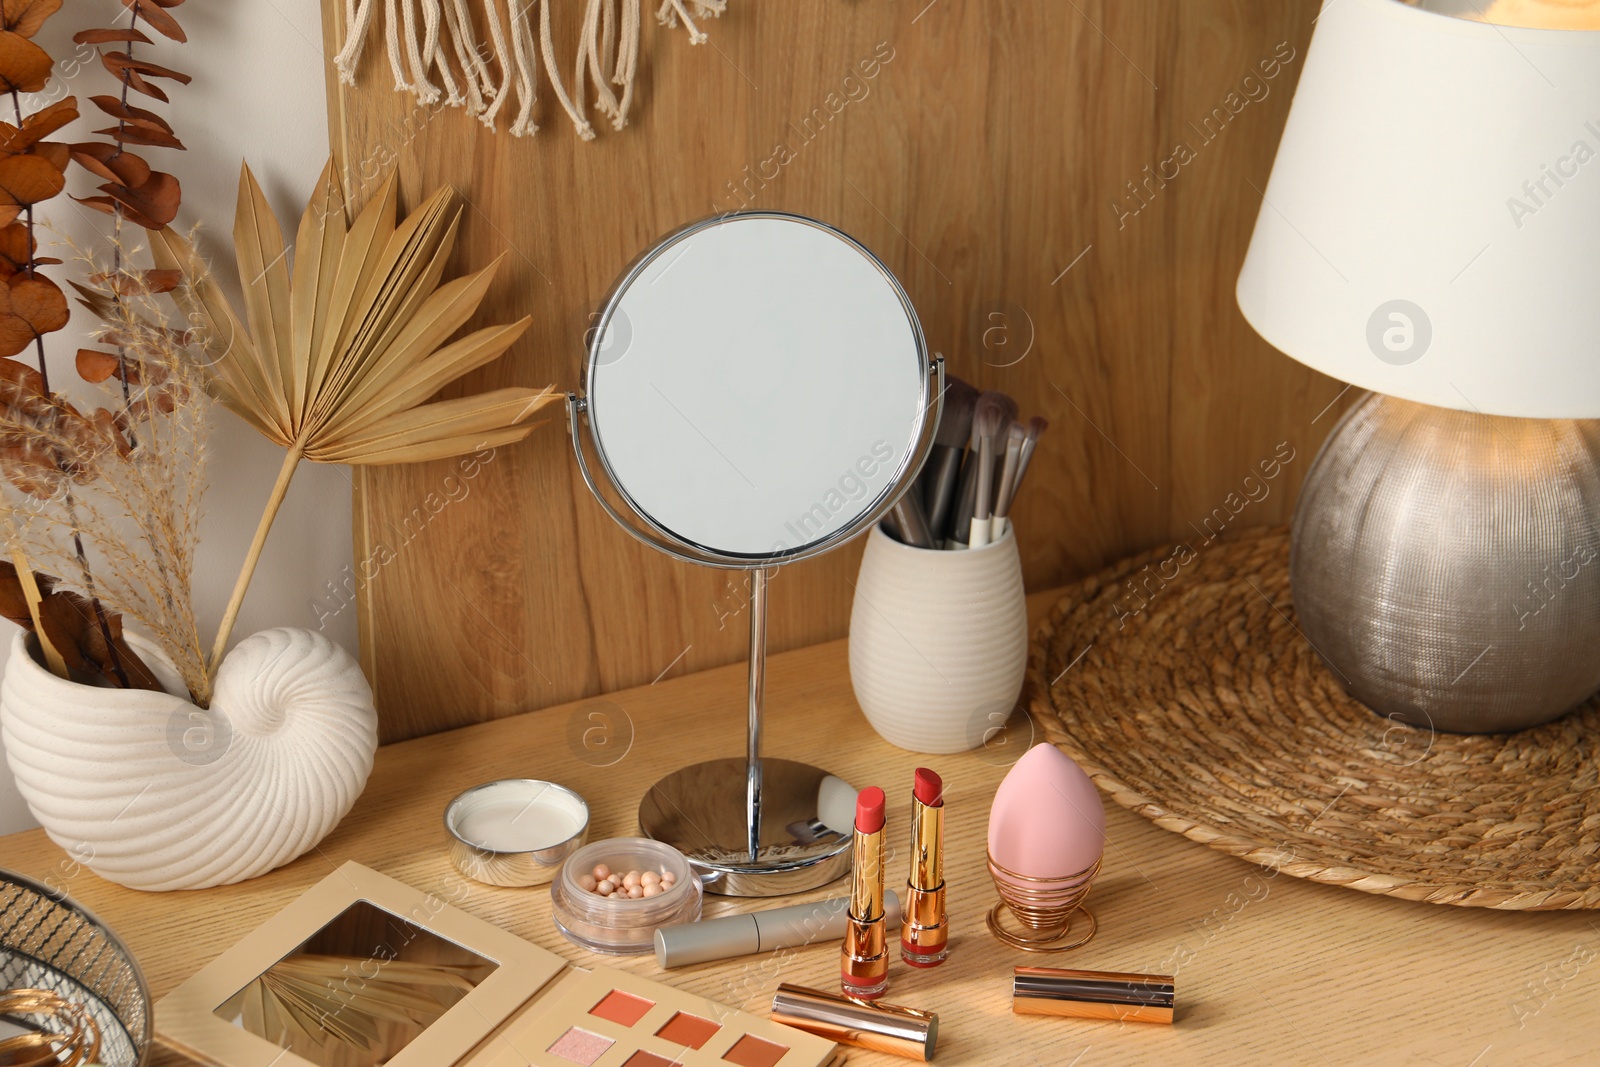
pixel 149 791
pixel 938 642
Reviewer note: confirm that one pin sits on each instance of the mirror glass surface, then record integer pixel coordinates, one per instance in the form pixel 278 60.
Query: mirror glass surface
pixel 359 991
pixel 757 384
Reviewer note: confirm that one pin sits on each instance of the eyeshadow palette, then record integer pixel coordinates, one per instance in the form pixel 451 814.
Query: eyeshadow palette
pixel 362 970
pixel 606 1018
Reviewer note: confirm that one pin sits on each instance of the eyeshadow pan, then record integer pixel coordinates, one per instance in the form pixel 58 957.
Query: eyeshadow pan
pixel 622 1008
pixel 688 1030
pixel 649 1059
pixel 753 1051
pixel 580 1046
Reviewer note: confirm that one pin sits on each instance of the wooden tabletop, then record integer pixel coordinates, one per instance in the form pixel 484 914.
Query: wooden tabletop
pixel 1269 969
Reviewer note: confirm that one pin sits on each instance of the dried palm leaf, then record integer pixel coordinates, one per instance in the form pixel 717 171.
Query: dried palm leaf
pixel 335 357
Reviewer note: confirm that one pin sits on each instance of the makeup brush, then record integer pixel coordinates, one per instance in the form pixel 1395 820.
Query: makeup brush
pixel 958 525
pixel 1036 428
pixel 943 470
pixel 987 421
pixel 910 520
pixel 1001 434
pixel 1001 408
pixel 1015 435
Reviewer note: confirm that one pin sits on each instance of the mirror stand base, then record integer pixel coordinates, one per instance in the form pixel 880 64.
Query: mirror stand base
pixel 806 815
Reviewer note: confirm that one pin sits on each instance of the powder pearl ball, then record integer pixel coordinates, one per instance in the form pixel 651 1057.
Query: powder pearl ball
pixel 586 881
pixel 649 878
pixel 631 879
pixel 601 872
pixel 606 887
pixel 635 892
pixel 649 889
pixel 668 878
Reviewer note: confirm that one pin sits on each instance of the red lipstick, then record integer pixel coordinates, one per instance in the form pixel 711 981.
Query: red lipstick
pixel 925 931
pixel 864 958
pixel 869 810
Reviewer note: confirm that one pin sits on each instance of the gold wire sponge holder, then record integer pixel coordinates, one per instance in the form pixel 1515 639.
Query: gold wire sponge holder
pixel 1047 909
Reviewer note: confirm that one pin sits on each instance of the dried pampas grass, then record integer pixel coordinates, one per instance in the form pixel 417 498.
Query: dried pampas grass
pixel 119 487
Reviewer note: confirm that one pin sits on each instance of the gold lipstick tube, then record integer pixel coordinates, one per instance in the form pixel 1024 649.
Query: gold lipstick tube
pixel 864 959
pixel 890 1028
pixel 925 930
pixel 1143 998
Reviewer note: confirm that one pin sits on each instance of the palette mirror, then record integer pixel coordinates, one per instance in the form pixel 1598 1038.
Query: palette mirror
pixel 757 390
pixel 358 991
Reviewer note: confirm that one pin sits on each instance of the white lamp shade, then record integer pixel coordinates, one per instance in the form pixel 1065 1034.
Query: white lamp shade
pixel 1431 229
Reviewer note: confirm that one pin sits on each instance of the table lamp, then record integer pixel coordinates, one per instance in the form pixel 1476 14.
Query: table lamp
pixel 1431 232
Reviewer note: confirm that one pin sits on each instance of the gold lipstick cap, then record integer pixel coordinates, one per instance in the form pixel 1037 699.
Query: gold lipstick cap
pixel 866 1024
pixel 1144 998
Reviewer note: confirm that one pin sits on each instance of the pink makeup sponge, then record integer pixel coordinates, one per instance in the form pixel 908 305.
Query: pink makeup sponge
pixel 1047 820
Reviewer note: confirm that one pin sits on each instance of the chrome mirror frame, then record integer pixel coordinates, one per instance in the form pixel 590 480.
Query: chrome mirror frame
pixel 737 848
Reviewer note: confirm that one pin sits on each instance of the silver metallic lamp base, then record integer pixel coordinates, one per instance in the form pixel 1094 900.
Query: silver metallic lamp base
pixel 1446 564
pixel 803 839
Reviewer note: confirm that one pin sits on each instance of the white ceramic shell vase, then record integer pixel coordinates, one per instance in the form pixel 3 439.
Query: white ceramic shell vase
pixel 149 791
pixel 938 642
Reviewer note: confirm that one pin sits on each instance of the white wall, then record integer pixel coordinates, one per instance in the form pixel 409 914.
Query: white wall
pixel 257 95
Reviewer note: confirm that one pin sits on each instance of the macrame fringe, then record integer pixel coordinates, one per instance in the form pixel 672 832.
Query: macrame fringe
pixel 672 10
pixel 435 53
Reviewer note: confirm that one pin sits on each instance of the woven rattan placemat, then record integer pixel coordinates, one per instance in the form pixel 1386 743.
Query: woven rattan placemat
pixel 1179 681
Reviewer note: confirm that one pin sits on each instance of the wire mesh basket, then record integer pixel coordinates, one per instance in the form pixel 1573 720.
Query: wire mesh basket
pixel 51 944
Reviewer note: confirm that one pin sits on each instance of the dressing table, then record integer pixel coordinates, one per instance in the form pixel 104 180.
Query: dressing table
pixel 1269 969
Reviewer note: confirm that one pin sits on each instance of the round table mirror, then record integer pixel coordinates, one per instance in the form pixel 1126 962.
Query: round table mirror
pixel 757 390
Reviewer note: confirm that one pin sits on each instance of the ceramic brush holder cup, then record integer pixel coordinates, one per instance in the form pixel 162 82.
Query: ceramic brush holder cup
pixel 938 641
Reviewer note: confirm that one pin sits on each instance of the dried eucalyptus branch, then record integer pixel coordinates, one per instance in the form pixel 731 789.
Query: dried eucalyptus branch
pixel 32 170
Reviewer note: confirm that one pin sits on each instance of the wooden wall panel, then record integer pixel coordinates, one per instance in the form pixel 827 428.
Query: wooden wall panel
pixel 997 161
